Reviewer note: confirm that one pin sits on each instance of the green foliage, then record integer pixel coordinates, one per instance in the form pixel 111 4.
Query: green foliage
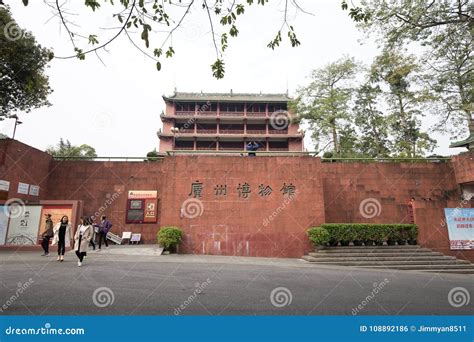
pixel 442 32
pixel 65 149
pixel 152 156
pixel 347 232
pixel 24 85
pixel 399 74
pixel 324 103
pixel 318 236
pixel 169 237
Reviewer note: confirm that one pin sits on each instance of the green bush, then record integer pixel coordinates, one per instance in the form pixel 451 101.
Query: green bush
pixel 318 236
pixel 379 233
pixel 169 237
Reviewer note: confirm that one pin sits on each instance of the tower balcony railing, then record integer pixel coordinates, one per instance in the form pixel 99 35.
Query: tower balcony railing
pixel 186 130
pixel 206 113
pixel 239 114
pixel 184 113
pixel 277 131
pixel 231 131
pixel 206 130
pixel 256 114
pixel 256 131
pixel 184 148
pixel 205 148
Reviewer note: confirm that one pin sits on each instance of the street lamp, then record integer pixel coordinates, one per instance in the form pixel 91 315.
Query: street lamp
pixel 17 122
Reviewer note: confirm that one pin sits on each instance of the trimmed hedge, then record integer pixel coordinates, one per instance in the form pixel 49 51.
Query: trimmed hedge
pixel 366 233
pixel 318 236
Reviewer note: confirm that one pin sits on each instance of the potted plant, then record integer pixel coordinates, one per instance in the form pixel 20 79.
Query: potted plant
pixel 392 235
pixel 169 237
pixel 402 235
pixel 318 236
pixel 357 234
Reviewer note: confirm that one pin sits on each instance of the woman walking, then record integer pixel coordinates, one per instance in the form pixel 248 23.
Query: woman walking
pixel 82 238
pixel 62 236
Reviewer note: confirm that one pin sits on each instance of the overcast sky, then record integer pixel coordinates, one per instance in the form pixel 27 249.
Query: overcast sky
pixel 114 106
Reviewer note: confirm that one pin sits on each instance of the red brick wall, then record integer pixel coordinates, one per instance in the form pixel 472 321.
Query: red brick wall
pixel 23 163
pixel 388 186
pixel 464 167
pixel 328 192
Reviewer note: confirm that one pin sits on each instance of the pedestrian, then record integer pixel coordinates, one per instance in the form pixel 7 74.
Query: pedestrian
pixel 47 234
pixel 82 238
pixel 94 232
pixel 104 227
pixel 252 147
pixel 62 236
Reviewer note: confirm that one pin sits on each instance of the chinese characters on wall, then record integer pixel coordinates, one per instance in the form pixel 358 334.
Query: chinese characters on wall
pixel 243 190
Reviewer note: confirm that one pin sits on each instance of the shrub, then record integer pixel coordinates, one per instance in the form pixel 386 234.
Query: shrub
pixel 169 237
pixel 347 232
pixel 318 236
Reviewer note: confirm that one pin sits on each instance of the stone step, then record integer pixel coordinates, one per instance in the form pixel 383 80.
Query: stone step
pixel 423 267
pixel 374 255
pixel 395 263
pixel 384 258
pixel 458 270
pixel 372 250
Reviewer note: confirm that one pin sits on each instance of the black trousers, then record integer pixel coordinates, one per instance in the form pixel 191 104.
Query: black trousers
pixel 80 254
pixel 103 235
pixel 61 245
pixel 45 244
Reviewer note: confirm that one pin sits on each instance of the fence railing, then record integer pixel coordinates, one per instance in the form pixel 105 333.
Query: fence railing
pixel 209 150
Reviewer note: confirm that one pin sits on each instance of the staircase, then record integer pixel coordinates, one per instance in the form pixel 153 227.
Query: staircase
pixel 413 258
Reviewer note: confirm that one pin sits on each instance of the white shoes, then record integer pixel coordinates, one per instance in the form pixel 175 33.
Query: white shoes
pixel 79 263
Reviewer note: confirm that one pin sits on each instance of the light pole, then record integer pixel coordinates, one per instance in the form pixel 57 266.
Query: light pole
pixel 17 122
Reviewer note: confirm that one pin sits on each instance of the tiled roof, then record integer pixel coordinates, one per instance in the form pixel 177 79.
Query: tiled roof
pixel 227 97
pixel 464 143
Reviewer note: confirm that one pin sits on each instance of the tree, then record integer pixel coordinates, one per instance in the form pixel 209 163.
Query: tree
pixel 324 103
pixel 450 74
pixel 399 75
pixel 65 149
pixel 23 83
pixel 372 123
pixel 166 17
pixel 443 29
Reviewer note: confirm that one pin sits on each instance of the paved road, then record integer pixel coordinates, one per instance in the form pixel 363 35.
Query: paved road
pixel 207 285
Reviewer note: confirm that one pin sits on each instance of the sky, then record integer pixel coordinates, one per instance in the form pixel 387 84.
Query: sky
pixel 113 102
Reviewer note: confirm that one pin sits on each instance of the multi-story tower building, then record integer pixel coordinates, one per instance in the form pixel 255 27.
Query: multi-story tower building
pixel 223 122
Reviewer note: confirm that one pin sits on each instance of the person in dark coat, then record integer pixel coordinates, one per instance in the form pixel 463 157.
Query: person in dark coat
pixel 252 146
pixel 47 235
pixel 104 227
